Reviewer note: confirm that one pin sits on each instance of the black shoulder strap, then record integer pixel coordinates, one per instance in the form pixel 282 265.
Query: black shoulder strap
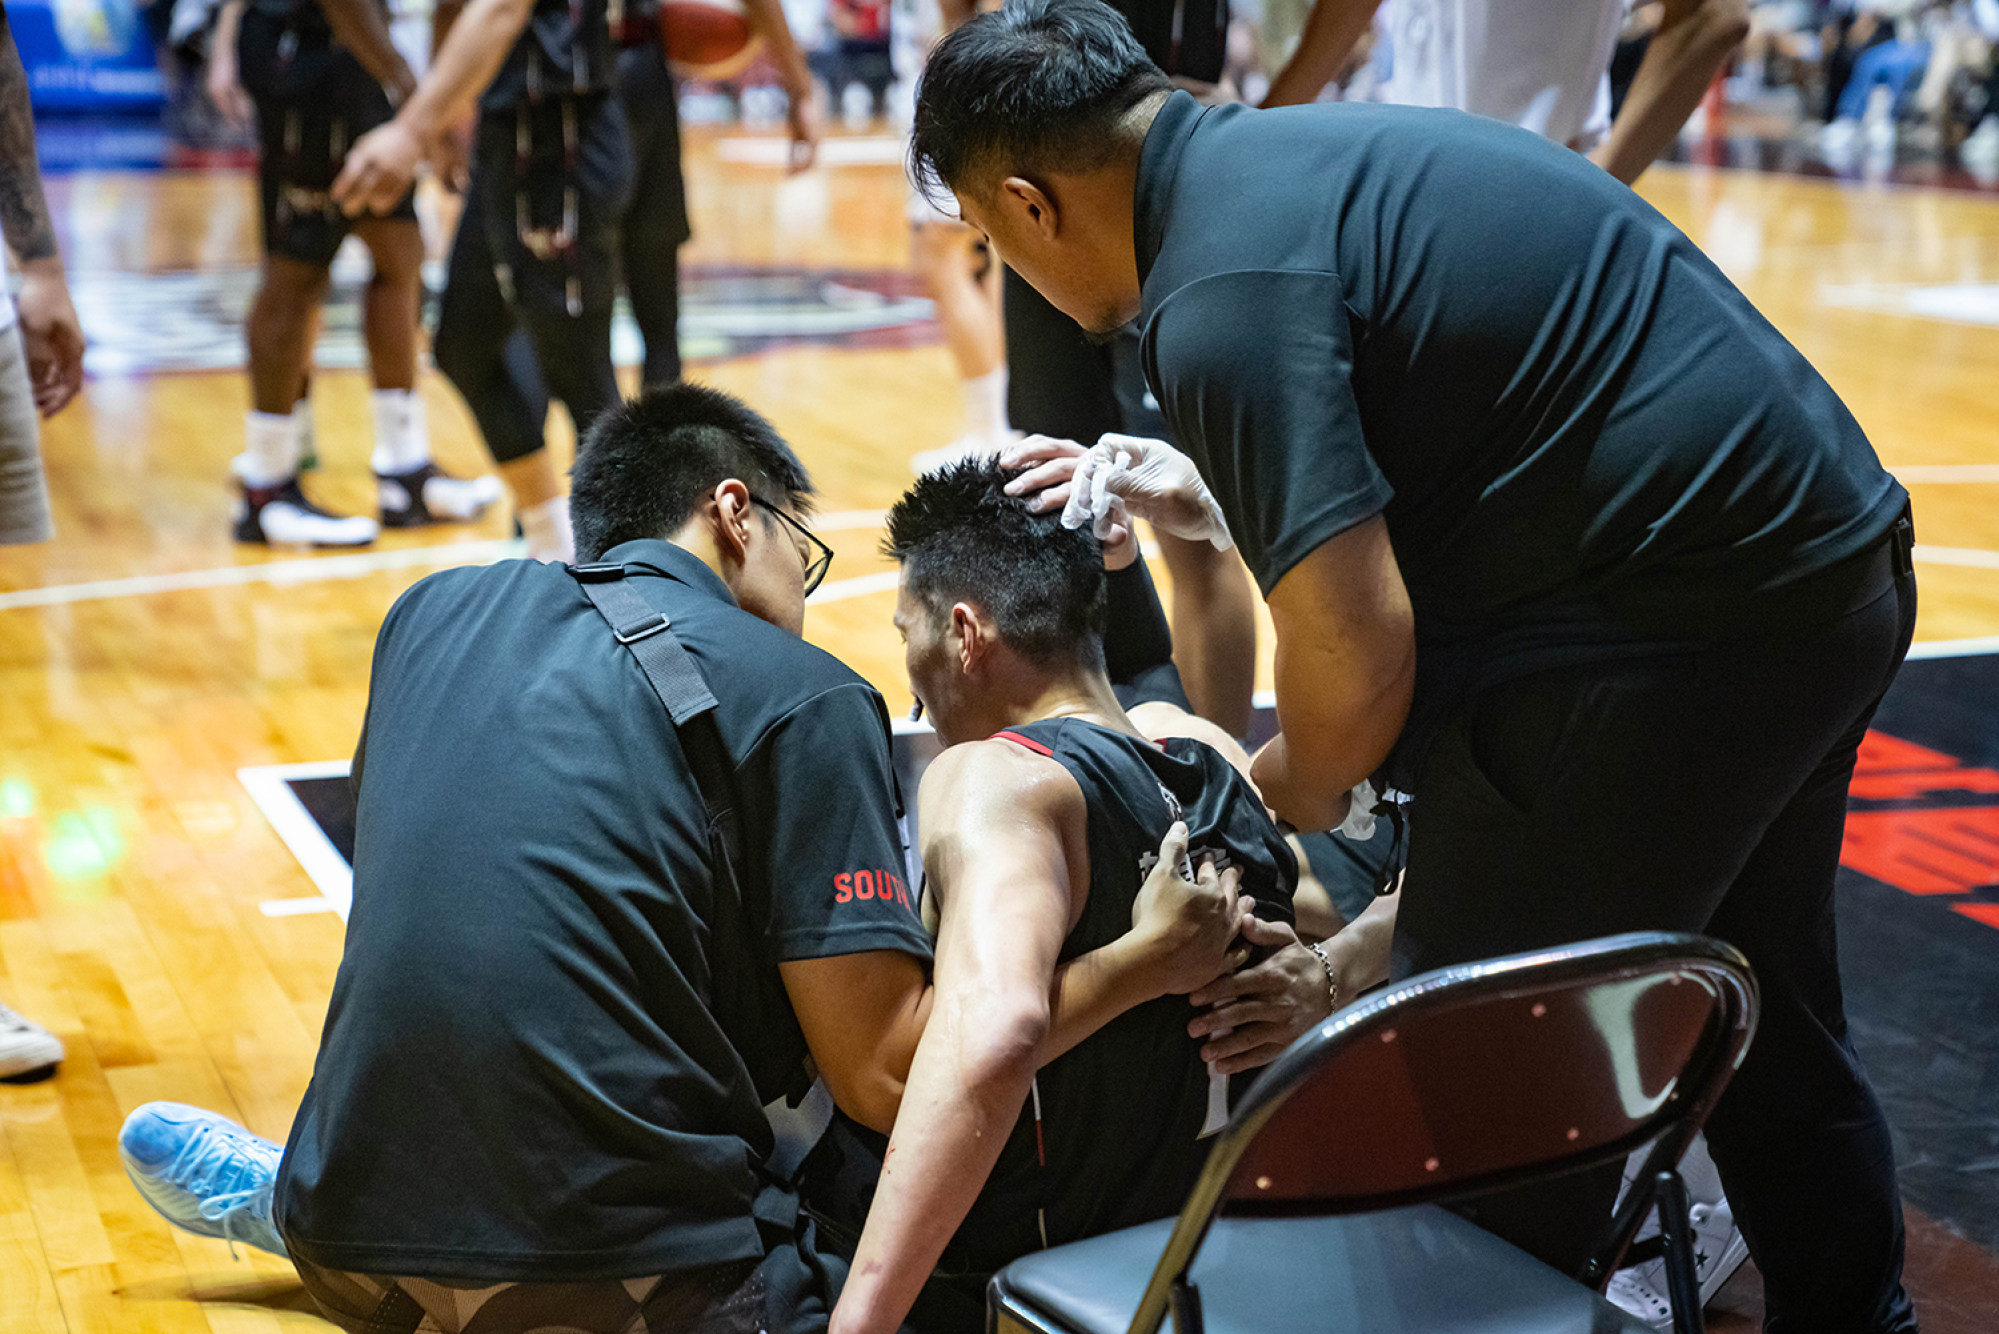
pixel 648 633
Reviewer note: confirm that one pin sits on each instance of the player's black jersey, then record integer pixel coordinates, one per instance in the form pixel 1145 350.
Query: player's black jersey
pixel 1121 1113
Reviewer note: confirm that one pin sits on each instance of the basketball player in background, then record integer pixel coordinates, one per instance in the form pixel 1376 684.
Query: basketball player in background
pixel 1541 64
pixel 316 74
pixel 41 368
pixel 951 258
pixel 536 248
pixel 656 224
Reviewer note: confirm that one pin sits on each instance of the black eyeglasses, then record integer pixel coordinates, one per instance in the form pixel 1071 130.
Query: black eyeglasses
pixel 817 555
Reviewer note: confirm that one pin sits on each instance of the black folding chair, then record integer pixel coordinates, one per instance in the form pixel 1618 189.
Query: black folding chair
pixel 1318 1207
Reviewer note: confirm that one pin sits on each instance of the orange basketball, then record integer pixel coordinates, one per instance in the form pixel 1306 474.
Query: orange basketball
pixel 707 39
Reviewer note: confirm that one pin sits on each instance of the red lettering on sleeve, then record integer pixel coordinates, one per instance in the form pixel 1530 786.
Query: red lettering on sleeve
pixel 864 884
pixel 843 887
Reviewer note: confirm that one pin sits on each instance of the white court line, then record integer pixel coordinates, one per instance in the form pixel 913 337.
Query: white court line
pixel 1955 648
pixel 1983 560
pixel 310 570
pixel 847 520
pixel 269 788
pixel 1949 472
pixel 775 151
pixel 859 586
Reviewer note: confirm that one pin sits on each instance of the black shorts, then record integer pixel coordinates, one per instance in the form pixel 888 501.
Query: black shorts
pixel 313 100
pixel 552 213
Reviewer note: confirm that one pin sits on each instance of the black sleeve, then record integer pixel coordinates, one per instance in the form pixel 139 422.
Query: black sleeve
pixel 1138 642
pixel 821 793
pixel 1254 372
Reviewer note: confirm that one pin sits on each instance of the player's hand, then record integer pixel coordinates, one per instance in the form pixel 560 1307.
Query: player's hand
pixel 801 117
pixel 1186 930
pixel 1251 1015
pixel 1153 481
pixel 379 170
pixel 450 154
pixel 1301 806
pixel 1049 477
pixel 224 86
pixel 50 334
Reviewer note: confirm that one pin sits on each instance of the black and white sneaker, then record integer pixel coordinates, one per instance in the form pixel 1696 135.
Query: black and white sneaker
pixel 282 516
pixel 28 1052
pixel 430 495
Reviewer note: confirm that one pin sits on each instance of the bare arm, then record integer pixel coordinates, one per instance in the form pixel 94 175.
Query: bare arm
pixel 50 333
pixel 363 28
pixel 1345 669
pixel 1331 32
pixel 24 211
pixel 1694 37
pixel 767 19
pixel 224 81
pixel 863 1015
pixel 382 163
pixel 993 833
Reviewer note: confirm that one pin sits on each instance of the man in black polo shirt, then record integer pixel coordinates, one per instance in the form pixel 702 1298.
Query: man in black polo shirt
pixel 539 1096
pixel 1647 579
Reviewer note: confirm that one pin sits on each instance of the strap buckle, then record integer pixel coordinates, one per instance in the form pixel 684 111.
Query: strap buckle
pixel 602 572
pixel 634 631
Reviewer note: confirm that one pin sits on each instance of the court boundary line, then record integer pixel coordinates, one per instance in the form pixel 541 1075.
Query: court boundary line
pixel 359 565
pixel 270 788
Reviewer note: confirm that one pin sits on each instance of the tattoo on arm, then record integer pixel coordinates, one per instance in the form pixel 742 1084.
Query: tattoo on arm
pixel 24 213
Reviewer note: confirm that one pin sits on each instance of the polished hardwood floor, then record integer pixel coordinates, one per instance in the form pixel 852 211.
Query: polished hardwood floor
pixel 145 658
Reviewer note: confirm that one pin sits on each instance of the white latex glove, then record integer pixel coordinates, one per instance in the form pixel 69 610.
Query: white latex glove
pixel 1150 479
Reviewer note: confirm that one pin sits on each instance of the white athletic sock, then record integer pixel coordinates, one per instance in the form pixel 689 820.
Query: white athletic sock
pixel 402 432
pixel 546 527
pixel 308 444
pixel 270 449
pixel 985 404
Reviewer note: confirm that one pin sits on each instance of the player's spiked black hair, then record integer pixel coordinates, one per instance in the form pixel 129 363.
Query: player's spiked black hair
pixel 644 466
pixel 1037 84
pixel 960 537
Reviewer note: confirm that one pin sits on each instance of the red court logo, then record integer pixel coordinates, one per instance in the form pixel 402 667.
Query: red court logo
pixel 1943 851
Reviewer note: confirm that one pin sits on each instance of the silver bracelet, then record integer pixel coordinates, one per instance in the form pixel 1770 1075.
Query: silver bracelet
pixel 1332 978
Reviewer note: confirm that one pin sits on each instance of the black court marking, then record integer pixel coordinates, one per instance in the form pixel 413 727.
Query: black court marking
pixel 1919 929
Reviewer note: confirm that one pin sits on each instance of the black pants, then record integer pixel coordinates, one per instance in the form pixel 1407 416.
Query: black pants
pixel 516 326
pixel 1704 791
pixel 1059 383
pixel 656 221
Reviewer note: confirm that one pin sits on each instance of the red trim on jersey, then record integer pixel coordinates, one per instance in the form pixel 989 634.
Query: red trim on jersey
pixel 1027 741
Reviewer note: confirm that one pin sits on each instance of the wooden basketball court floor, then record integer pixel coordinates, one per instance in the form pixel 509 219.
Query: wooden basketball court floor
pixel 145 658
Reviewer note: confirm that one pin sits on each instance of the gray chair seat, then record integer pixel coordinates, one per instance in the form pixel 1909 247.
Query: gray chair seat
pixel 1415 1269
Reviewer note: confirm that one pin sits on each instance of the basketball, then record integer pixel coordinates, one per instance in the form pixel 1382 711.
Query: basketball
pixel 707 39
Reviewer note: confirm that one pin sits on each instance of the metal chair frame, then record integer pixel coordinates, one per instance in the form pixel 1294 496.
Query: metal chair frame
pixel 1669 1129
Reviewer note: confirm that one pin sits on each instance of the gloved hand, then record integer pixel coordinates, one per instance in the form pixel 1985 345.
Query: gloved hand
pixel 1153 481
pixel 1048 478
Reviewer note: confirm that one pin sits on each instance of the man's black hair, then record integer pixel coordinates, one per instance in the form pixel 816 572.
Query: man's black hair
pixel 1037 85
pixel 645 466
pixel 959 536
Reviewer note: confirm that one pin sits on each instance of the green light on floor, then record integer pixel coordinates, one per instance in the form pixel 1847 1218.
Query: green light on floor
pixel 17 799
pixel 84 844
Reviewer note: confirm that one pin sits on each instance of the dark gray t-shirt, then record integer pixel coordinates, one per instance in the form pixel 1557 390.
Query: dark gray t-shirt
pixel 1579 432
pixel 551 1037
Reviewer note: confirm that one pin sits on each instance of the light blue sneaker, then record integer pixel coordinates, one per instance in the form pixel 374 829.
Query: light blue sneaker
pixel 203 1172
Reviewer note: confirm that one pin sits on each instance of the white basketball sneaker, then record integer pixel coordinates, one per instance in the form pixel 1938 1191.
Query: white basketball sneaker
pixel 28 1052
pixel 282 516
pixel 429 495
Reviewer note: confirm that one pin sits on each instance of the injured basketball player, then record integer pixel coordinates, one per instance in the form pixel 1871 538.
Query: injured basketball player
pixel 1035 827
